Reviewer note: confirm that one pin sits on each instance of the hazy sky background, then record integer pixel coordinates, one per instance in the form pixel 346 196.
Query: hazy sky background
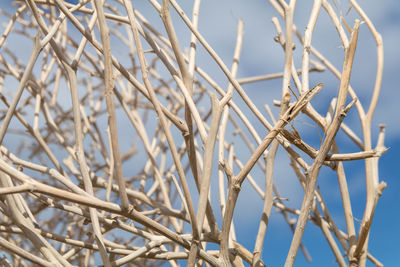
pixel 261 55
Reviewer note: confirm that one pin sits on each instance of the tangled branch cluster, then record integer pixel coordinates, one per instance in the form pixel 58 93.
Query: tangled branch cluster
pixel 74 192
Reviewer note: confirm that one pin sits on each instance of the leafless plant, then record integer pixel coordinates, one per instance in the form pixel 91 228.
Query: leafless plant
pixel 75 193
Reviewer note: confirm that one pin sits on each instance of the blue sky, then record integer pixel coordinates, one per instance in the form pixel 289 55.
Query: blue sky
pixel 261 55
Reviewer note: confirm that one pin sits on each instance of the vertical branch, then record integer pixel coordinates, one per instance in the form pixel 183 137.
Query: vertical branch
pixel 347 210
pixel 313 172
pixel 187 77
pixel 208 161
pixel 193 39
pixel 307 44
pixel 225 116
pixel 374 189
pixel 109 86
pixel 289 13
pixel 379 67
pixel 189 139
pixel 268 202
pixel 80 157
